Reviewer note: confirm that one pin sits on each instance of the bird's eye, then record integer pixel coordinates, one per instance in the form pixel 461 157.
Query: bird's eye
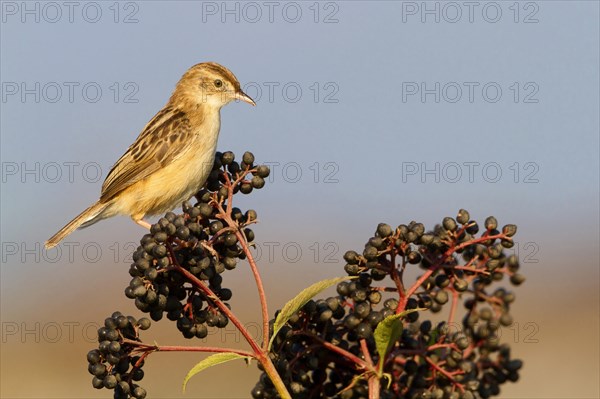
pixel 218 83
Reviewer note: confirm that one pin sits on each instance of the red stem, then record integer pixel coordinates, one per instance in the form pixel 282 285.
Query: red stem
pixel 212 296
pixel 177 348
pixel 244 244
pixel 480 239
pixel 445 373
pixel 374 387
pixel 261 355
pixel 350 356
pixel 471 269
pixel 439 346
pixel 453 306
pixel 259 286
pixel 365 351
pixel 361 363
pixel 433 268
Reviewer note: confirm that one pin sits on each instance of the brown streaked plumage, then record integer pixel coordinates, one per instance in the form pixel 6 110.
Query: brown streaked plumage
pixel 173 155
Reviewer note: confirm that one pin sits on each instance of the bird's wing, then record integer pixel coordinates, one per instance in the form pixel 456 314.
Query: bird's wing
pixel 162 141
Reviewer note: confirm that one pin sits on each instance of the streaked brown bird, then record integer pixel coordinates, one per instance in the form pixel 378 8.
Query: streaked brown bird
pixel 173 155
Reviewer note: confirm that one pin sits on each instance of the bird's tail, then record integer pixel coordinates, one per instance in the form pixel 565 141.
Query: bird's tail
pixel 90 216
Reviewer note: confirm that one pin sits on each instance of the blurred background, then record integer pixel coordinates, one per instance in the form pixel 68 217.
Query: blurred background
pixel 367 112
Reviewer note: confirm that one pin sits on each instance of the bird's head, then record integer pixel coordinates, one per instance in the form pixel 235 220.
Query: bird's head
pixel 210 84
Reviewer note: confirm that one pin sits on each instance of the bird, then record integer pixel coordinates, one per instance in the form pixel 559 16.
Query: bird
pixel 173 155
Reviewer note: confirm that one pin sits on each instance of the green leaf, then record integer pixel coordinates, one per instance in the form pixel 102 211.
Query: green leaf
pixel 300 300
pixel 387 333
pixel 388 377
pixel 210 361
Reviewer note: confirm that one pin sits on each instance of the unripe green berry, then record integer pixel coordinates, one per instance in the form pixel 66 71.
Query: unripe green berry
pixel 509 230
pixel 246 188
pixel 449 224
pixel 460 285
pixel 227 158
pixel 263 171
pixel 517 279
pixel 384 230
pixel 491 223
pixel 463 217
pixel 441 297
pixel 248 158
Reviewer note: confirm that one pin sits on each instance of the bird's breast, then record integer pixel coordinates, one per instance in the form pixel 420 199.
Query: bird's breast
pixel 177 181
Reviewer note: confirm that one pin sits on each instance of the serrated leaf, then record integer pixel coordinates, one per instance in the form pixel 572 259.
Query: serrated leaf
pixel 210 361
pixel 387 333
pixel 300 300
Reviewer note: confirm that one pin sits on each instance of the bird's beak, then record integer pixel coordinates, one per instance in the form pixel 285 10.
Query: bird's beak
pixel 240 95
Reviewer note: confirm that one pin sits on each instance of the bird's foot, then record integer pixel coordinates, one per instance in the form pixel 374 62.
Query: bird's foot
pixel 143 223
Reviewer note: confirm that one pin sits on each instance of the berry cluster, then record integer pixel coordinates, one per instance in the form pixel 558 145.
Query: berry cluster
pixel 321 349
pixel 203 241
pixel 115 364
pixel 368 340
